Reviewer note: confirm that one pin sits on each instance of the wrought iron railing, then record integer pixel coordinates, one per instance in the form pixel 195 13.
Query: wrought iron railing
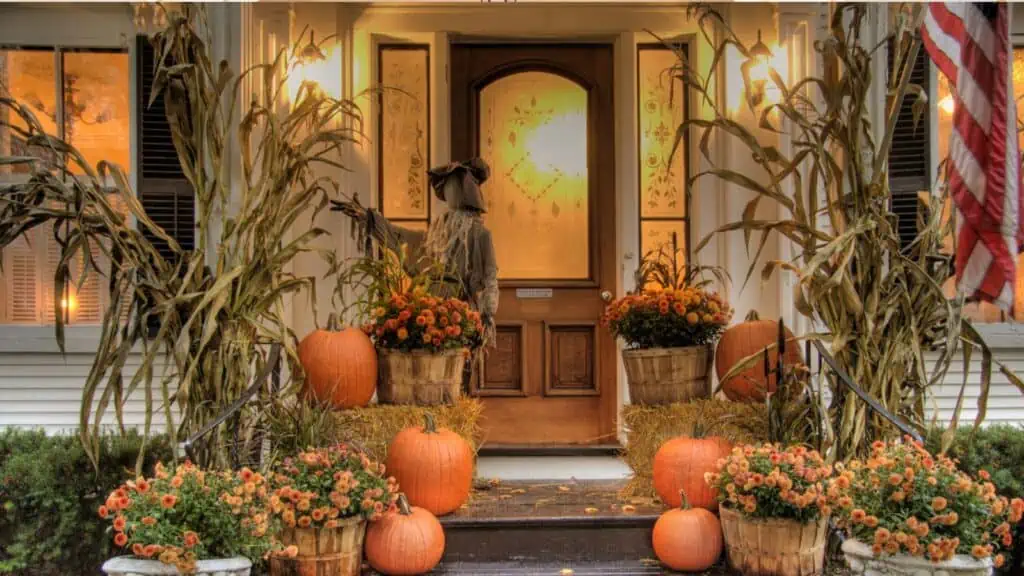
pixel 826 366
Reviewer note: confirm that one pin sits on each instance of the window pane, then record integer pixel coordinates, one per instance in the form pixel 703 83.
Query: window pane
pixel 97 113
pixel 533 133
pixel 657 234
pixel 662 174
pixel 404 134
pixel 30 78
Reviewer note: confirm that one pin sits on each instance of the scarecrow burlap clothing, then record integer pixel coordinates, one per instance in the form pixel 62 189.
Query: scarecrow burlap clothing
pixel 459 239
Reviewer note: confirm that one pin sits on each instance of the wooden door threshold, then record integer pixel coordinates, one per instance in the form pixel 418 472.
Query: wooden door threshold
pixel 550 450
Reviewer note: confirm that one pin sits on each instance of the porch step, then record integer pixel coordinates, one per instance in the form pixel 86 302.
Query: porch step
pixel 549 569
pixel 537 468
pixel 540 524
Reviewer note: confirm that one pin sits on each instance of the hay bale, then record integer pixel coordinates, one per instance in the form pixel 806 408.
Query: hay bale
pixel 373 427
pixel 648 427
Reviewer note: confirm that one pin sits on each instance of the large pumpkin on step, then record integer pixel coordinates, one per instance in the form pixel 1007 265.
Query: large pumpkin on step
pixel 407 541
pixel 433 466
pixel 340 366
pixel 743 340
pixel 680 465
pixel 687 539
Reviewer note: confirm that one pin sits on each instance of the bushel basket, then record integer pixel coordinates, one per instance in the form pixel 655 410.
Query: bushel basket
pixel 420 378
pixel 667 375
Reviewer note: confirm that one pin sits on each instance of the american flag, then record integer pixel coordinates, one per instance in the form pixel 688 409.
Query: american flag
pixel 970 44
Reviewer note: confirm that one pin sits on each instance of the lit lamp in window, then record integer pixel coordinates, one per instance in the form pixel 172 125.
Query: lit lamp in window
pixel 757 71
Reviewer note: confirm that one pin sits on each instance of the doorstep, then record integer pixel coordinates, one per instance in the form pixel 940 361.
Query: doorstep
pixel 525 467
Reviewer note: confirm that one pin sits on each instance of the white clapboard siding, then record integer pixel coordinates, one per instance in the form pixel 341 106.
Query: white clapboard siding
pixel 1005 402
pixel 44 390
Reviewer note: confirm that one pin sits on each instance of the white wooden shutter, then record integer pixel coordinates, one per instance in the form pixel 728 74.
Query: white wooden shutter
pixel 19 276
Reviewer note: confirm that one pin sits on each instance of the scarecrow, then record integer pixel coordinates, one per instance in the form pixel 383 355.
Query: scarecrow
pixel 459 240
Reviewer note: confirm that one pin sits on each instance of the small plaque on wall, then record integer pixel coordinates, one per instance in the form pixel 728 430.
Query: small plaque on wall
pixel 532 293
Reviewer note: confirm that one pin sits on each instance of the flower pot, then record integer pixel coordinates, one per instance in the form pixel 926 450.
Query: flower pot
pixel 774 547
pixel 666 375
pixel 130 566
pixel 420 378
pixel 322 551
pixel 862 560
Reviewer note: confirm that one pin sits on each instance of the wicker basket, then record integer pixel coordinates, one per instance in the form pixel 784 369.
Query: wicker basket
pixel 774 547
pixel 666 375
pixel 322 551
pixel 420 378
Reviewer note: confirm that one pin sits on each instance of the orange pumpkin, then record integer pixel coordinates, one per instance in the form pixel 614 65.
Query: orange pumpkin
pixel 743 340
pixel 688 539
pixel 433 466
pixel 407 541
pixel 340 366
pixel 680 465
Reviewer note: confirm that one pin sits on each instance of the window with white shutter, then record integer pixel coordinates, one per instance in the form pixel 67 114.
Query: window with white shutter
pixel 83 96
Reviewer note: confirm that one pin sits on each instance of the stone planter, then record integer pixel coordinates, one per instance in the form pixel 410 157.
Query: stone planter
pixel 322 551
pixel 130 566
pixel 419 378
pixel 862 561
pixel 774 547
pixel 666 375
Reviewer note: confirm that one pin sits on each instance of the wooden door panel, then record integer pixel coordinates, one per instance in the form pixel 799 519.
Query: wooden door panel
pixel 543 118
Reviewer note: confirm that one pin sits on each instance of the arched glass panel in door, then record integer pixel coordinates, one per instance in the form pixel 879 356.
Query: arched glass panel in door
pixel 533 132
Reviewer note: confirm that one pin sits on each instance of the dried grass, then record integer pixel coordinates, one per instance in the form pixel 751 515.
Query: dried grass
pixel 373 427
pixel 648 427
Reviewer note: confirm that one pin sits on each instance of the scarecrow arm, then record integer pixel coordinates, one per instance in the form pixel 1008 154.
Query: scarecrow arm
pixel 389 235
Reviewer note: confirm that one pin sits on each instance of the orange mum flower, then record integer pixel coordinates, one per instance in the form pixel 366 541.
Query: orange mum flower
pixel 191 539
pixel 120 539
pixel 168 501
pixel 138 549
pixel 149 521
pixel 304 521
pixel 939 503
pixel 119 523
pixel 103 512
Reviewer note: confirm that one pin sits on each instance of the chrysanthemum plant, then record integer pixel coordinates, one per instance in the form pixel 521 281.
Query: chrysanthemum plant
pixel 769 481
pixel 670 306
pixel 187 514
pixel 321 487
pixel 903 500
pixel 199 322
pixel 881 302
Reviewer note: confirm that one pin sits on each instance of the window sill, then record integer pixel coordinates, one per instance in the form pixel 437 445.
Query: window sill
pixel 1002 335
pixel 41 339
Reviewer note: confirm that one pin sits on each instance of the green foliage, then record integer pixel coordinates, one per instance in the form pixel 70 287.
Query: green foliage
pixel 49 494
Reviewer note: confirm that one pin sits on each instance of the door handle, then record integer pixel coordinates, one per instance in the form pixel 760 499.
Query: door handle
pixel 606 295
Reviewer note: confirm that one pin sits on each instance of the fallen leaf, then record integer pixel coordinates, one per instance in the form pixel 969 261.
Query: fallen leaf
pixel 494 482
pixel 518 491
pixel 563 488
pixel 649 562
pixel 505 497
pixel 628 509
pixel 591 510
pixel 566 572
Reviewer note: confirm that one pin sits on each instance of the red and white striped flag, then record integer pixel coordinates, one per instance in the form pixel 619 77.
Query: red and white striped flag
pixel 970 44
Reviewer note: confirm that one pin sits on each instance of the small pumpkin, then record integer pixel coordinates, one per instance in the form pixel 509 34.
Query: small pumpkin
pixel 741 341
pixel 340 366
pixel 433 466
pixel 680 465
pixel 408 540
pixel 687 539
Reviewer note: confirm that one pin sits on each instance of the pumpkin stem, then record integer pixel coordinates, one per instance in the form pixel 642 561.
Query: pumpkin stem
pixel 429 424
pixel 332 322
pixel 403 505
pixel 684 504
pixel 752 316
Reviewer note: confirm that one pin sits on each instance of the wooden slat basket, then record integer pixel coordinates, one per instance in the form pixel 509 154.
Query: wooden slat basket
pixel 322 551
pixel 666 375
pixel 420 378
pixel 774 547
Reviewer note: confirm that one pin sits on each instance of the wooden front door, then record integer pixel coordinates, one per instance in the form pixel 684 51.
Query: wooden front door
pixel 542 117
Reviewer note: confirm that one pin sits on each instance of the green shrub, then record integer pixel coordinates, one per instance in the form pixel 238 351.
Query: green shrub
pixel 999 450
pixel 49 496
